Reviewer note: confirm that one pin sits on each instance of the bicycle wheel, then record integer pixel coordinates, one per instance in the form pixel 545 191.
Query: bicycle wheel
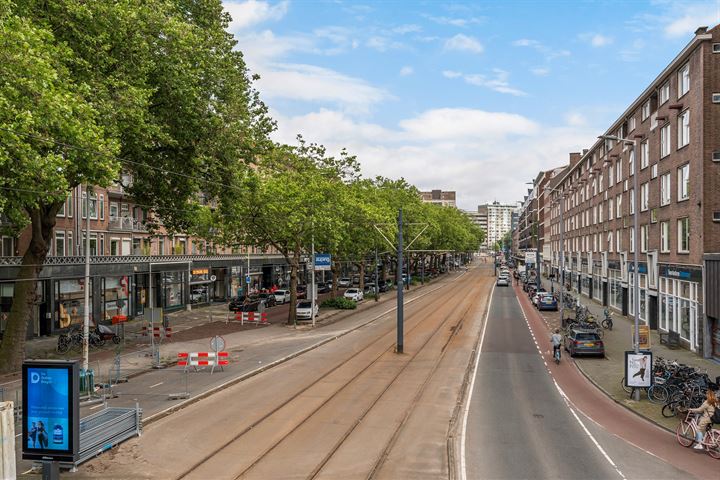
pixel 625 388
pixel 685 434
pixel 713 449
pixel 63 344
pixel 657 394
pixel 669 410
pixel 606 324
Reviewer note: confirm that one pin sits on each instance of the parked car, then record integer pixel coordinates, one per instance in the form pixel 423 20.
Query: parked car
pixel 369 289
pixel 302 291
pixel 303 310
pixel 383 286
pixel 353 294
pixel 268 298
pixel 282 296
pixel 323 287
pixel 502 282
pixel 344 282
pixel 536 295
pixel 584 342
pixel 547 301
pixel 238 304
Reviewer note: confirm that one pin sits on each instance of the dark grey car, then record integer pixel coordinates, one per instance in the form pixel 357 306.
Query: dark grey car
pixel 584 342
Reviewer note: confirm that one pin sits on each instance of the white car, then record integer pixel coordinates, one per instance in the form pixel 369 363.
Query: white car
pixel 282 296
pixel 353 294
pixel 344 282
pixel 303 310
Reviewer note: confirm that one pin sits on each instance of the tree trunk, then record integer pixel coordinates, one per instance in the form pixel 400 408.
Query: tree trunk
pixel 361 272
pixel 12 349
pixel 294 267
pixel 335 269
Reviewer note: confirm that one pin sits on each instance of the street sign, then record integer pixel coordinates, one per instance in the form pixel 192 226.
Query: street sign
pixel 247 279
pixel 322 261
pixel 530 257
pixel 217 343
pixel 213 278
pixel 51 410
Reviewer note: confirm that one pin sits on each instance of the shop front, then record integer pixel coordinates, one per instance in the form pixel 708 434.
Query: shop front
pixel 172 294
pixel 615 288
pixel 70 302
pixel 680 290
pixel 597 282
pixel 116 298
pixel 200 286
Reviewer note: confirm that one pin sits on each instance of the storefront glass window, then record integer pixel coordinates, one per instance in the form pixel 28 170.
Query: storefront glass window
pixel 615 289
pixel 70 301
pixel 116 297
pixel 173 289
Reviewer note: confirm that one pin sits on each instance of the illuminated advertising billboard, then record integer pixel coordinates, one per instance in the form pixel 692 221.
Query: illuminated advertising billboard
pixel 51 417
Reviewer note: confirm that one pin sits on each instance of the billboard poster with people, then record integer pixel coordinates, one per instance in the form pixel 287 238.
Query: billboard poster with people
pixel 50 416
pixel 638 369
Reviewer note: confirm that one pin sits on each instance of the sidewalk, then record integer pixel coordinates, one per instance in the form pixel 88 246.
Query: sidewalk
pixel 607 374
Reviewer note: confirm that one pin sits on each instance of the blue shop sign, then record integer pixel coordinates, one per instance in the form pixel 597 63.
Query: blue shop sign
pixel 681 272
pixel 322 261
pixel 642 267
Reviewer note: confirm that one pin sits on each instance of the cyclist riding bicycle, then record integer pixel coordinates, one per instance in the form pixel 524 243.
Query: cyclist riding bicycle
pixel 556 340
pixel 705 412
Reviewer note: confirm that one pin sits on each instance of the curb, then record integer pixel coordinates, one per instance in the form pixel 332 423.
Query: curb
pixel 602 389
pixel 164 413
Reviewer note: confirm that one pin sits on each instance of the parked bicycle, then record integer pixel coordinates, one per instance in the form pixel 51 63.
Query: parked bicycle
pixel 73 338
pixel 607 322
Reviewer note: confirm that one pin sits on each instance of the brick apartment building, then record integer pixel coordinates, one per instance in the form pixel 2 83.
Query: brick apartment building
pixel 674 126
pixel 446 199
pixel 125 260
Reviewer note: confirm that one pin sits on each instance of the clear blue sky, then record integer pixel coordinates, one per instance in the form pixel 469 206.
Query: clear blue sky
pixel 475 97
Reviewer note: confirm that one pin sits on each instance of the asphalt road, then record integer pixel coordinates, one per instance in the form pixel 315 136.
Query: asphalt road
pixel 520 425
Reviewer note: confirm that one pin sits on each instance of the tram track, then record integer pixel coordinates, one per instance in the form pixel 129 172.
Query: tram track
pixel 419 320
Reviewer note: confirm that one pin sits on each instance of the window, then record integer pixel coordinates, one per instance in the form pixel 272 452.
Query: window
pixel 644 238
pixel 683 235
pixel 84 205
pixel 618 206
pixel 632 239
pixel 716 98
pixel 600 212
pixel 632 201
pixel 665 93
pixel 113 210
pixel 70 203
pixel 684 80
pixel 644 195
pixel 631 163
pixel 684 182
pixel 664 237
pixel 653 171
pixel 716 48
pixel 611 208
pixel 631 124
pixel 618 171
pixel 61 212
pixel 665 189
pixel 114 246
pixel 645 112
pixel 683 129
pixel 601 183
pixel 618 240
pixel 665 141
pixel 644 154
pixel 93 206
pixel 611 181
pixel 610 242
pixel 60 244
pixel 69 242
pixel 102 207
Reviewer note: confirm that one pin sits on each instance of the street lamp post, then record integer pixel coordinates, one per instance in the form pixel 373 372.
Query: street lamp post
pixel 636 233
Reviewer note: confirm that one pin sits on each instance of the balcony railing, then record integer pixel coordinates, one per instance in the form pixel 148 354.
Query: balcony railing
pixel 126 224
pixel 109 259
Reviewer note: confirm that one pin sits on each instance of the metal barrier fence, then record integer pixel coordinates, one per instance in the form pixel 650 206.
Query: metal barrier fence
pixel 105 429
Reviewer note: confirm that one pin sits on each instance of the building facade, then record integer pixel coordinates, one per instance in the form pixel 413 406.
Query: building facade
pixel 671 150
pixel 479 218
pixel 499 221
pixel 131 269
pixel 446 199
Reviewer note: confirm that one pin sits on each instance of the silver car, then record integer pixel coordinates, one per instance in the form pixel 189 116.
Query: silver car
pixel 502 282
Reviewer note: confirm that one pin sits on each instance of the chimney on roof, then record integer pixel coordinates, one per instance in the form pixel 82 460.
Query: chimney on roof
pixel 585 150
pixel 701 30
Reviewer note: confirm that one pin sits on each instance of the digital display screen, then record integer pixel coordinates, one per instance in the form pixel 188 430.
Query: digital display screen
pixel 48 416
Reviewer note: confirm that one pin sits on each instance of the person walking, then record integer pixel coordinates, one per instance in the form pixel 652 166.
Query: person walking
pixel 705 411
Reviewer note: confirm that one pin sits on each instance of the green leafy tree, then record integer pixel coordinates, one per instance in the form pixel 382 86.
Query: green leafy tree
pixel 90 89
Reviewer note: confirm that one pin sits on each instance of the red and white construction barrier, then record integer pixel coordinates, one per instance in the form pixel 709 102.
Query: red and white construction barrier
pixel 157 332
pixel 251 317
pixel 203 359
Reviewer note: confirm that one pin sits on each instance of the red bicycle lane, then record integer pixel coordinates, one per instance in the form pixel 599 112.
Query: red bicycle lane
pixel 614 418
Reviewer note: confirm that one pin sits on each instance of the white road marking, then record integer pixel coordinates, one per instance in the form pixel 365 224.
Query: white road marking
pixel 96 406
pixel 463 468
pixel 567 403
pixel 156 385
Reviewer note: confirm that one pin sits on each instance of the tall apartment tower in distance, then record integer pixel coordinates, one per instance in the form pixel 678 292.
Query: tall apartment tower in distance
pixel 499 221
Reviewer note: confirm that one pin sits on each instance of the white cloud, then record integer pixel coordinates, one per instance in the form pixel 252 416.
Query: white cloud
pixel 540 71
pixel 482 155
pixel 526 42
pixel 407 28
pixel 632 53
pixel 465 43
pixel 692 16
pixel 575 119
pixel 252 12
pixel 310 83
pixel 549 53
pixel 382 44
pixel 596 39
pixel 406 70
pixel 498 82
pixel 456 22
